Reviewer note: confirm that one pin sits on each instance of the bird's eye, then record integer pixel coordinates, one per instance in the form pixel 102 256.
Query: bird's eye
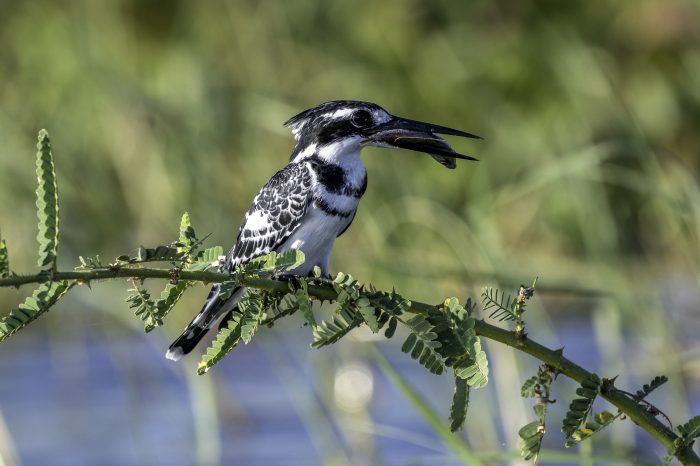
pixel 361 119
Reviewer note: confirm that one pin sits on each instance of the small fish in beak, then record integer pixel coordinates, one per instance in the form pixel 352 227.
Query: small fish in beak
pixel 420 137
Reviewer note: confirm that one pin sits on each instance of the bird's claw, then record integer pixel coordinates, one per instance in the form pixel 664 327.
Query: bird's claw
pixel 294 281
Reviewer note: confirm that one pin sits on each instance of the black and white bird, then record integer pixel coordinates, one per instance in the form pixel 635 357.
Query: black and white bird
pixel 313 200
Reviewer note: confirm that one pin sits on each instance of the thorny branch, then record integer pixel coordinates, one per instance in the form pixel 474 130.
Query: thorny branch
pixel 622 400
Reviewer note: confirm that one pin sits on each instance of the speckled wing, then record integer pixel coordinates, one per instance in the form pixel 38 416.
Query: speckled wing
pixel 276 213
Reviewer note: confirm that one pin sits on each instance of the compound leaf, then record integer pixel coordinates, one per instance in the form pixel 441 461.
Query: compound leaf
pixel 580 408
pixel 45 296
pixel 170 295
pixel 592 427
pixel 227 339
pixel 144 307
pixel 690 430
pixel 252 309
pixel 329 332
pixel 188 237
pixel 460 402
pixel 303 302
pixel 274 262
pixel 500 305
pixel 368 313
pixel 531 436
pixel 646 389
pixel 46 203
pixel 422 344
pixel 4 260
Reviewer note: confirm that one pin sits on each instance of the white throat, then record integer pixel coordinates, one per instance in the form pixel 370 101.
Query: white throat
pixel 345 152
pixel 338 151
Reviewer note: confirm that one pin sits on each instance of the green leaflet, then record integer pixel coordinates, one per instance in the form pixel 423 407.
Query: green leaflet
pixel 592 427
pixel 477 374
pixel 347 288
pixel 158 254
pixel 170 295
pixel 303 302
pixel 422 344
pixel 45 296
pixel 225 341
pixel 226 289
pixel 688 433
pixel 274 262
pixel 354 307
pixel 288 260
pixel 655 383
pixel 252 310
pixel 454 310
pixel 188 237
pixel 329 332
pixel 460 402
pixel 46 203
pixel 690 430
pixel 4 260
pixel 368 313
pixel 392 303
pixel 528 390
pixel 461 346
pixel 144 308
pixel 530 442
pixel 87 263
pixel 206 259
pixel 391 328
pixel 540 382
pixel 581 407
pixel 529 387
pixel 210 255
pixel 500 305
pixel 452 349
pixel 153 311
pixel 532 434
pixel 286 305
pixel 386 308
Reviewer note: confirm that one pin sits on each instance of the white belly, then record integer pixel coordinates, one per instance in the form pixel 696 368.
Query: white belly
pixel 315 237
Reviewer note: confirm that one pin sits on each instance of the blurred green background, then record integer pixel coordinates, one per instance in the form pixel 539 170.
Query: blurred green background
pixel 588 179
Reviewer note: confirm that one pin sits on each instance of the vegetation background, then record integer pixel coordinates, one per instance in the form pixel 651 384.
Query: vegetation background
pixel 588 179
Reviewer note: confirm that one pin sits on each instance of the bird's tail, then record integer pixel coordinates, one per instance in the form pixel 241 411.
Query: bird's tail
pixel 186 342
pixel 211 311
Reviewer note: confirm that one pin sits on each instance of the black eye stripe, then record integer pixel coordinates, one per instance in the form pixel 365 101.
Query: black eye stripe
pixel 334 130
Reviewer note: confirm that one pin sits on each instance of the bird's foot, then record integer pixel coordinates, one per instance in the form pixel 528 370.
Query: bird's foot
pixel 294 281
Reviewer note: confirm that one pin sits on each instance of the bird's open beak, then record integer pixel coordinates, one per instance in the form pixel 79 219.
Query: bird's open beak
pixel 418 136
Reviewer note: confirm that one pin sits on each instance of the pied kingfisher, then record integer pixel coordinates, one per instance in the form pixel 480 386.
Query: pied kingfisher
pixel 313 200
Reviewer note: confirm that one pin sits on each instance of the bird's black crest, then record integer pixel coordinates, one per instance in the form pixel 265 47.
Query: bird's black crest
pixel 327 107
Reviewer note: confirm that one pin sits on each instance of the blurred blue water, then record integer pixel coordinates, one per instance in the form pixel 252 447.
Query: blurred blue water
pixel 72 403
pixel 116 401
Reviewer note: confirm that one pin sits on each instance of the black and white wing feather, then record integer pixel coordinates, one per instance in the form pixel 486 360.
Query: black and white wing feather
pixel 276 213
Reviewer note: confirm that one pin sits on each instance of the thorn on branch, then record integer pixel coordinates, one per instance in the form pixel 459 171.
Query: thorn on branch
pixel 648 407
pixel 608 386
pixel 83 281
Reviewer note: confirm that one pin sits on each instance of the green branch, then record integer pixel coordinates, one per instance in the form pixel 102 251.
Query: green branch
pixel 326 292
